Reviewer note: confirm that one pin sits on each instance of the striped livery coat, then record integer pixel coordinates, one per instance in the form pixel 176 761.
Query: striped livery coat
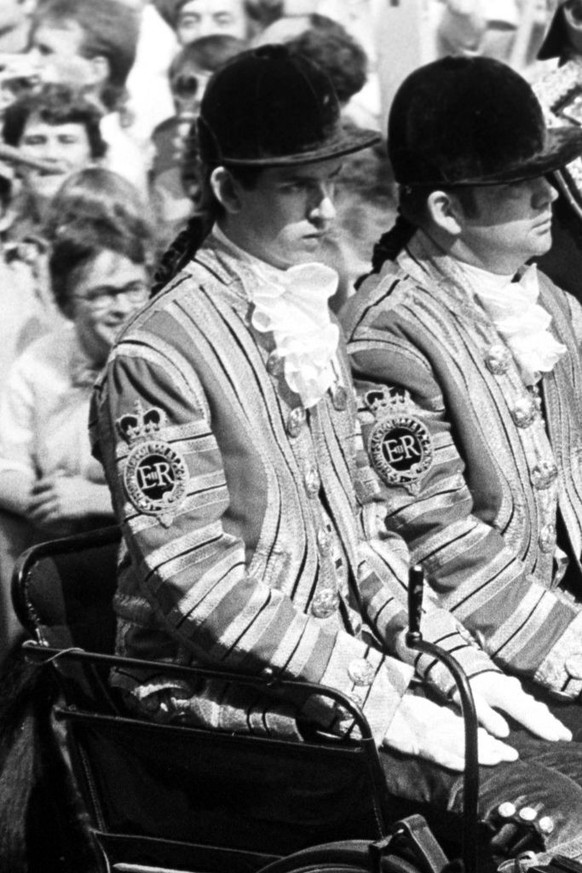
pixel 234 576
pixel 482 521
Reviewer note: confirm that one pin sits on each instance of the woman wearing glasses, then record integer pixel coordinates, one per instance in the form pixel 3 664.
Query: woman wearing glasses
pixel 49 483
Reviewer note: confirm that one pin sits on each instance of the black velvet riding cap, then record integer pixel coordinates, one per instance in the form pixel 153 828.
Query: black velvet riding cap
pixel 472 121
pixel 265 108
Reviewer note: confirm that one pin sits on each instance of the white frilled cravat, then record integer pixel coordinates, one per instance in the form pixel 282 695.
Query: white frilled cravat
pixel 519 319
pixel 293 304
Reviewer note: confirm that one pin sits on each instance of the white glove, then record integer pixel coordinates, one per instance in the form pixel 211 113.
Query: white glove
pixel 435 733
pixel 493 691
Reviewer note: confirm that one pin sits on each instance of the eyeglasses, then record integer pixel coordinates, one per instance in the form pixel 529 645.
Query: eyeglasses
pixel 103 296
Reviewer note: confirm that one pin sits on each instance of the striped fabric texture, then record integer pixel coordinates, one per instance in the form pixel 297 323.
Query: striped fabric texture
pixel 271 523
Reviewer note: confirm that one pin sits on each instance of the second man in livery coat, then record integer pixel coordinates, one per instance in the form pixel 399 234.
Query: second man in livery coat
pixel 469 368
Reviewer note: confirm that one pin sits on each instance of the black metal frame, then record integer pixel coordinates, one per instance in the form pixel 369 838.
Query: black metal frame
pixel 95 665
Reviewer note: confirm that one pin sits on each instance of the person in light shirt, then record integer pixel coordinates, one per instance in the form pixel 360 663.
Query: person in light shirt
pixel 49 483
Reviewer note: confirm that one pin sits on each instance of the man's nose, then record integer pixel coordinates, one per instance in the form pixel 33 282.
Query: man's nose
pixel 544 192
pixel 52 149
pixel 324 209
pixel 121 304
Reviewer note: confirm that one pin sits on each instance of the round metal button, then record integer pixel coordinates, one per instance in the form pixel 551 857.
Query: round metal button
pixel 275 364
pixel 296 420
pixel 543 474
pixel 325 603
pixel 524 412
pixel 323 541
pixel 573 665
pixel 546 824
pixel 498 359
pixel 361 672
pixel 528 813
pixel 506 809
pixel 547 538
pixel 312 481
pixel 339 397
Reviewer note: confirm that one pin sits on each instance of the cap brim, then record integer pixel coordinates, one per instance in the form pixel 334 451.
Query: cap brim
pixel 346 143
pixel 556 38
pixel 563 144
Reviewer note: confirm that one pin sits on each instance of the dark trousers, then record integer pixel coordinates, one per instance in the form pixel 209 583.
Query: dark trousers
pixel 547 777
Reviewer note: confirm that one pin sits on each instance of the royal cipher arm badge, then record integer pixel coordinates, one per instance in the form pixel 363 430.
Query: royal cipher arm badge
pixel 156 475
pixel 399 444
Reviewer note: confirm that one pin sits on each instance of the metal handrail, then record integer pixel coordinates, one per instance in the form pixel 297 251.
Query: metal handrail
pixel 415 641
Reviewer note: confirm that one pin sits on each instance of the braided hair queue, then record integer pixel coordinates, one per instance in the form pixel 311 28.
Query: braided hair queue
pixel 180 251
pixel 183 248
pixel 392 242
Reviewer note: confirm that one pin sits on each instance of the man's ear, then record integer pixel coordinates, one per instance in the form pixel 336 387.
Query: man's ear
pixel 572 19
pixel 225 190
pixel 445 212
pixel 573 28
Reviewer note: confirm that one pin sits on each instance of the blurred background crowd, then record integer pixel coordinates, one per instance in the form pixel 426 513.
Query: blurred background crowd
pixel 98 173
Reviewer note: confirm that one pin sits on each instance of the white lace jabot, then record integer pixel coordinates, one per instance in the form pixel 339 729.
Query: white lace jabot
pixel 519 319
pixel 293 304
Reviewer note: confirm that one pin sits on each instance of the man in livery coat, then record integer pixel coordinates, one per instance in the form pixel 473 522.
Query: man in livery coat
pixel 253 528
pixel 469 367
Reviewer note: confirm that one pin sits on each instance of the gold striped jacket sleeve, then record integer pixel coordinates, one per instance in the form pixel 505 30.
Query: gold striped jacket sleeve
pixel 379 549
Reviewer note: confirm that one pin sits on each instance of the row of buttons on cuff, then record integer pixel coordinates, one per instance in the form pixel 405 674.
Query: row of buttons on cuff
pixel 526 814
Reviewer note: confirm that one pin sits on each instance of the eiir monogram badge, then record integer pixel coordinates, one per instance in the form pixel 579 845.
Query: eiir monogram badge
pixel 156 475
pixel 399 445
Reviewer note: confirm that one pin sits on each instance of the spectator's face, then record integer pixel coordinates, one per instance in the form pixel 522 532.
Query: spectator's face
pixel 198 18
pixel 56 49
pixel 12 14
pixel 66 145
pixel 108 291
pixel 285 218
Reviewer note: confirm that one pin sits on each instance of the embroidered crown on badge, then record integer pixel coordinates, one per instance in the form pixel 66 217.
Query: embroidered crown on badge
pixel 141 426
pixel 386 400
